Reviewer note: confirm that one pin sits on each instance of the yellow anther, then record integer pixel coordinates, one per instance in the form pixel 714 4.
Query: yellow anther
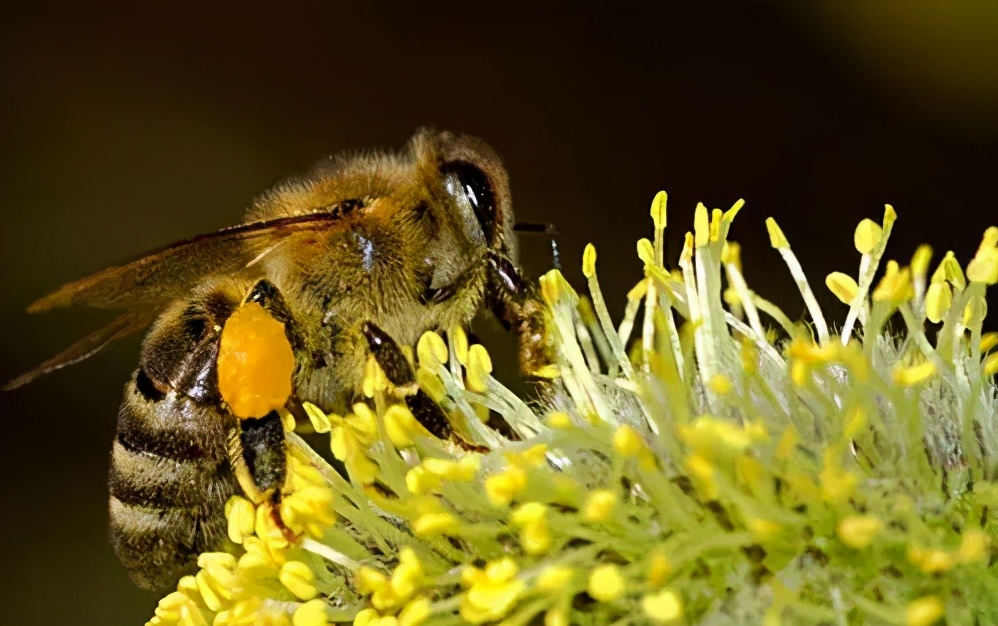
pixel 459 341
pixel 983 268
pixel 662 607
pixel 930 560
pixel 867 236
pixel 534 456
pixel 557 616
pixel 627 442
pixel 529 513
pixel 703 471
pixel 554 578
pixel 658 209
pixel 920 260
pixel 400 425
pixel 731 254
pixel 988 341
pixel 479 369
pixel 370 580
pixel 501 488
pixel 559 419
pixel 312 613
pixel 599 505
pixel 990 364
pixel 701 226
pixel 419 481
pixel 431 383
pixel 606 584
pixel 843 286
pixel 730 214
pixel 431 350
pixel 720 384
pixel 687 253
pixel 895 286
pixel 951 269
pixel 646 251
pixel 924 611
pixel 589 261
pixel 858 531
pixel 974 546
pixel 938 299
pixel 535 537
pixel 408 576
pixel 715 225
pixel 915 374
pixel 776 237
pixel 414 612
pixel 434 524
pixel 241 516
pixel 299 579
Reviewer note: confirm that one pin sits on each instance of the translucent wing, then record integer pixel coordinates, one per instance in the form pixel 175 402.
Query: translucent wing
pixel 161 276
pixel 144 286
pixel 121 327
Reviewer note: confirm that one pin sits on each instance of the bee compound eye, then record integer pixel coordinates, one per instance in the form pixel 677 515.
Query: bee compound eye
pixel 470 186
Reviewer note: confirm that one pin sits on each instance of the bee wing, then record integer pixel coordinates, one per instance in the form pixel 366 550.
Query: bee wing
pixel 161 276
pixel 124 325
pixel 145 285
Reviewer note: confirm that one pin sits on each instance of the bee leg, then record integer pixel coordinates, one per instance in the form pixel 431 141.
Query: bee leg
pixel 519 307
pixel 258 456
pixel 399 372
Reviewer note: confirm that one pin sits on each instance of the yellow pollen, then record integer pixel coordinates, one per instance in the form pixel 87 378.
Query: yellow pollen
pixel 299 579
pixel 312 613
pixel 599 505
pixel 554 578
pixel 606 584
pixel 858 531
pixel 255 362
pixel 662 607
pixel 924 611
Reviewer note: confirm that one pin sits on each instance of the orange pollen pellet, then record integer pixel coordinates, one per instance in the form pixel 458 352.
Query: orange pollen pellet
pixel 255 362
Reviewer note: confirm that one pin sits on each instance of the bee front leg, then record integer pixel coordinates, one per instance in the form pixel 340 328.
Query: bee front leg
pixel 519 307
pixel 399 372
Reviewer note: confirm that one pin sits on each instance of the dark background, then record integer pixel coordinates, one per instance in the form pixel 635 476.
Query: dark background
pixel 125 127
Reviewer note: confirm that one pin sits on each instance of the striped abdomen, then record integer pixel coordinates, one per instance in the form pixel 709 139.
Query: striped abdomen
pixel 170 479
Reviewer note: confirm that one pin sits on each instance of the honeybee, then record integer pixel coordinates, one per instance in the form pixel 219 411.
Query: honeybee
pixel 357 256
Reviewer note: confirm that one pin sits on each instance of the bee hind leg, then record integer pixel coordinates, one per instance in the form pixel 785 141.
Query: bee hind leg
pixel 258 456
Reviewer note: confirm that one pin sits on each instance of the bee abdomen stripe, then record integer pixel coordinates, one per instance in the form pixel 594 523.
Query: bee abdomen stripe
pixel 141 430
pixel 142 478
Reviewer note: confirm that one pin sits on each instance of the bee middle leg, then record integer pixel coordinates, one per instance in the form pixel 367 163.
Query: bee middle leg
pixel 399 372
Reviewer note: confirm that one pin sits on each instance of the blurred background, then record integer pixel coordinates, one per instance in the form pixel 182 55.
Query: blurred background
pixel 126 126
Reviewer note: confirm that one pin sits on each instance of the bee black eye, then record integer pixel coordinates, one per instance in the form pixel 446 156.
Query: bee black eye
pixel 468 184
